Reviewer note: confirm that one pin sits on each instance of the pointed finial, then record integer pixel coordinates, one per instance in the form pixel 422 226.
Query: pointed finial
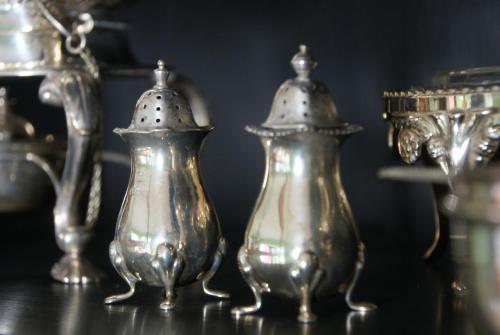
pixel 161 74
pixel 303 63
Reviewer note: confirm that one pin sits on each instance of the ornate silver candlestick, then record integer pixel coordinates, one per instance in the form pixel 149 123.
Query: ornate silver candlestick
pixel 301 241
pixel 167 233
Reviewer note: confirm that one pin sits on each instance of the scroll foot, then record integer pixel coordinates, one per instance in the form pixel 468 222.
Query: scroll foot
pixel 168 264
pixel 218 258
pixel 257 288
pixel 305 275
pixel 362 307
pixel 120 267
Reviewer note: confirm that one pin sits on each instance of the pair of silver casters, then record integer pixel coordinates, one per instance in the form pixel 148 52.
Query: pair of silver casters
pixel 301 241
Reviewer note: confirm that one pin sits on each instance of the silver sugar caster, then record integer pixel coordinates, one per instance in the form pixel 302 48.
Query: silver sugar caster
pixel 301 241
pixel 167 233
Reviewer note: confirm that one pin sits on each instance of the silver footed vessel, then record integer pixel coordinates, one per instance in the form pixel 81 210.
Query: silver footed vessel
pixel 167 233
pixel 301 241
pixel 454 126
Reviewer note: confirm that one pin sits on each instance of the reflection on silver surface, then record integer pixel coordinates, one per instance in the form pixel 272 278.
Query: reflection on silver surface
pixel 475 206
pixel 301 241
pixel 167 233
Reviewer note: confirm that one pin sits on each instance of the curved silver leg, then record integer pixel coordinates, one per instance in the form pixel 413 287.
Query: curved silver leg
pixel 118 262
pixel 358 306
pixel 256 287
pixel 305 275
pixel 218 258
pixel 78 93
pixel 168 264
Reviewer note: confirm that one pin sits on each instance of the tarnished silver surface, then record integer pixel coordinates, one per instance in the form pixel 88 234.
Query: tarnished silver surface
pixel 475 205
pixel 301 240
pixel 167 233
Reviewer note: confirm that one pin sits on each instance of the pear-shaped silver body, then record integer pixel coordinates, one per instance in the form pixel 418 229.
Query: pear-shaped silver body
pixel 301 241
pixel 167 233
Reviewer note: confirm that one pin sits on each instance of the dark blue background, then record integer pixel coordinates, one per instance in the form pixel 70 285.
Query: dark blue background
pixel 238 54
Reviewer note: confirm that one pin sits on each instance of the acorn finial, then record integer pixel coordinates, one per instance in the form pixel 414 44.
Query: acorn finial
pixel 303 63
pixel 161 74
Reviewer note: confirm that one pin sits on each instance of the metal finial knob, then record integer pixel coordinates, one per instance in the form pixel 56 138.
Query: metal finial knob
pixel 161 74
pixel 303 63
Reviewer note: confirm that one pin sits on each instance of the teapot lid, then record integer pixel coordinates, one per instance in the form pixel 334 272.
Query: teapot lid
pixel 162 108
pixel 302 104
pixel 12 127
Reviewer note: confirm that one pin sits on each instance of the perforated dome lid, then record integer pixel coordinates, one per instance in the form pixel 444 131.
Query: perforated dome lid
pixel 162 108
pixel 302 104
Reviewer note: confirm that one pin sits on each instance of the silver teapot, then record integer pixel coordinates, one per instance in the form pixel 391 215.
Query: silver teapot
pixel 301 241
pixel 167 232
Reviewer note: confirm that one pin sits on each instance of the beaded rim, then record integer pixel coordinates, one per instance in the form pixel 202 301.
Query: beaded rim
pixel 341 130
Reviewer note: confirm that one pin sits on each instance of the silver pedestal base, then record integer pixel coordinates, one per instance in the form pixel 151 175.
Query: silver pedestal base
pixel 75 269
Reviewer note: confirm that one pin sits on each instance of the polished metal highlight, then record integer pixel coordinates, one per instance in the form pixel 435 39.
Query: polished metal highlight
pixel 301 241
pixel 167 233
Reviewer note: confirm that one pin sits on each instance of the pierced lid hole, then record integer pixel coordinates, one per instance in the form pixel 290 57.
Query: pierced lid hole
pixel 157 120
pixel 180 121
pixel 158 97
pixel 158 108
pixel 306 115
pixel 177 107
pixel 145 106
pixel 142 119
